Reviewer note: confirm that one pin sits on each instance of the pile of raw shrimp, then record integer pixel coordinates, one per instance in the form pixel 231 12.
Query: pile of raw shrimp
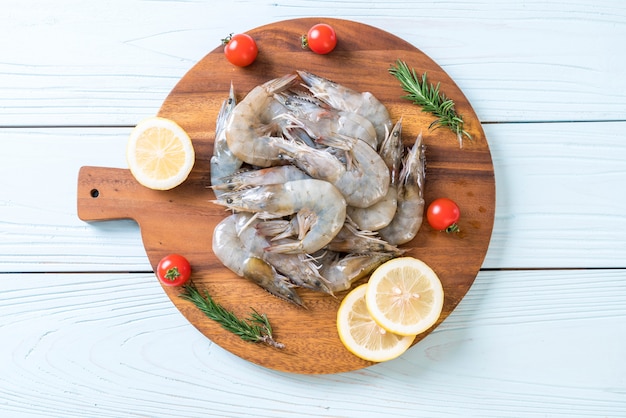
pixel 322 189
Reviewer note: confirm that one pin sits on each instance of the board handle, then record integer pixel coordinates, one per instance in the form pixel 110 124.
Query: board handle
pixel 107 193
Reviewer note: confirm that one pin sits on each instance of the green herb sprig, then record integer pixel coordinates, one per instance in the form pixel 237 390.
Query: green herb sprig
pixel 430 99
pixel 256 328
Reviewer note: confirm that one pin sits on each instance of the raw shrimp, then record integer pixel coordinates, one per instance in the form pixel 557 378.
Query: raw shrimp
pixel 277 200
pixel 223 161
pixel 318 163
pixel 349 239
pixel 366 179
pixel 342 271
pixel 248 131
pixel 391 151
pixel 318 121
pixel 344 98
pixel 410 212
pixel 380 214
pixel 300 269
pixel 363 179
pixel 270 175
pixel 232 252
pixel 352 240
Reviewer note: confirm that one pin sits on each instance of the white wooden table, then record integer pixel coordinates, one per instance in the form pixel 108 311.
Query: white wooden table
pixel 86 330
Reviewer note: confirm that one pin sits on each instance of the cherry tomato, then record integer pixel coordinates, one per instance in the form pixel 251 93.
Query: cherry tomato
pixel 443 215
pixel 173 270
pixel 320 39
pixel 240 49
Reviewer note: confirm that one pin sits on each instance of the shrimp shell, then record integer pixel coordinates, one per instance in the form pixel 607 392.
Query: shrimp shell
pixel 248 131
pixel 352 240
pixel 342 271
pixel 223 161
pixel 381 213
pixel 366 179
pixel 233 253
pixel 300 269
pixel 269 175
pixel 318 121
pixel 344 98
pixel 410 213
pixel 363 179
pixel 277 200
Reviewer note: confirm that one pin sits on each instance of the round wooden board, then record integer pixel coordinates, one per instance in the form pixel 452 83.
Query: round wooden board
pixel 182 220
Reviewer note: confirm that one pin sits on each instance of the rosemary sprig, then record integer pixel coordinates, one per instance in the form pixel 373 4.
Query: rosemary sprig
pixel 430 98
pixel 256 328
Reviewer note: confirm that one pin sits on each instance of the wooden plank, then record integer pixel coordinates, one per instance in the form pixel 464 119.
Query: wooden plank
pixel 39 225
pixel 558 194
pixel 79 64
pixel 583 227
pixel 547 343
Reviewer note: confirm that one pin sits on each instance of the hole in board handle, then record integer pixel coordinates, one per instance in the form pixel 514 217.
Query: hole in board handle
pixel 94 193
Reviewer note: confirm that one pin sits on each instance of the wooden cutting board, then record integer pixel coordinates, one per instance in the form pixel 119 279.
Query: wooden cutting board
pixel 182 220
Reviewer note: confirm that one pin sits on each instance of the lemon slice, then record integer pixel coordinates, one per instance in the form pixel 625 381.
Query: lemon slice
pixel 159 153
pixel 360 334
pixel 404 296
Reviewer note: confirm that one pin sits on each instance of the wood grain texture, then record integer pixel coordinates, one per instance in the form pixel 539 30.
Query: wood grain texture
pixel 547 343
pixel 182 220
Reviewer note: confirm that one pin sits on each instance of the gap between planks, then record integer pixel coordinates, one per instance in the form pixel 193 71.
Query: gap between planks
pixel 486 122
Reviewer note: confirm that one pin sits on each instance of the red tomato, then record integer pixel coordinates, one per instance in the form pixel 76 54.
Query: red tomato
pixel 240 49
pixel 320 39
pixel 173 270
pixel 443 215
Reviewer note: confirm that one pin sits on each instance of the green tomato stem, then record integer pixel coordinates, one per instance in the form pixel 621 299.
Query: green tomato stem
pixel 172 274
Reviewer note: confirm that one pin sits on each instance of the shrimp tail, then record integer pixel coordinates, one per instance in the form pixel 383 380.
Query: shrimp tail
pixel 313 82
pixel 414 165
pixel 260 272
pixel 342 142
pixel 287 246
pixel 280 84
pixel 305 219
pixel 298 226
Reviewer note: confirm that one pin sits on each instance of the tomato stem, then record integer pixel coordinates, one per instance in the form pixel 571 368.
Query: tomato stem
pixel 304 42
pixel 172 274
pixel 453 228
pixel 227 39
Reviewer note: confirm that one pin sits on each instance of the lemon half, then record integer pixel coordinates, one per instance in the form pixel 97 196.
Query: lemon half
pixel 362 336
pixel 160 154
